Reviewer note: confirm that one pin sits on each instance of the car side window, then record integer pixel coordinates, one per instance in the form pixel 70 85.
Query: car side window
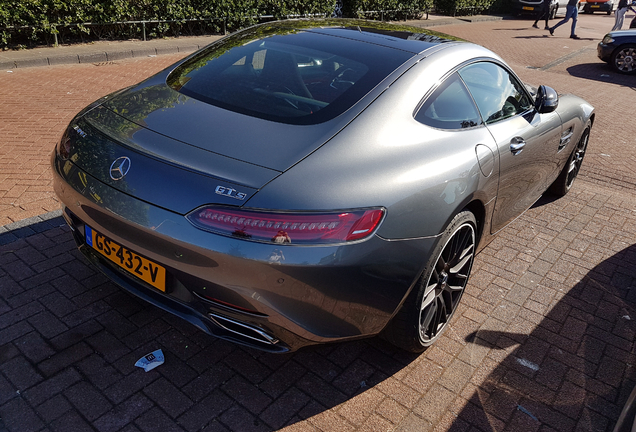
pixel 449 107
pixel 498 94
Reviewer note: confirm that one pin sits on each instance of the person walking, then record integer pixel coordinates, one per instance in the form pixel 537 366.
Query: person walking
pixel 544 13
pixel 623 6
pixel 571 11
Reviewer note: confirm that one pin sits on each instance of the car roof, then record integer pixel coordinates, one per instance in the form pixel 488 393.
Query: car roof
pixel 403 37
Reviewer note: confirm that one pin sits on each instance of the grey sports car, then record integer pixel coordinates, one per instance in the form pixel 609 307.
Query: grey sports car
pixel 304 182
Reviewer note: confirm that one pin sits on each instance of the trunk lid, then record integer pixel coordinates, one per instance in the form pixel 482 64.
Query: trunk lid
pixel 195 124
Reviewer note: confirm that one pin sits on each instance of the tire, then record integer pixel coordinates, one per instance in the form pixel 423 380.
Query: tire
pixel 429 308
pixel 623 59
pixel 564 182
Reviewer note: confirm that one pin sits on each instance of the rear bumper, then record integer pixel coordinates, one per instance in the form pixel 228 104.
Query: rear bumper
pixel 271 297
pixel 598 7
pixel 518 9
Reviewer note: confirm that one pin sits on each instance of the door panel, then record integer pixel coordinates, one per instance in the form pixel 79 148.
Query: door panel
pixel 527 141
pixel 526 172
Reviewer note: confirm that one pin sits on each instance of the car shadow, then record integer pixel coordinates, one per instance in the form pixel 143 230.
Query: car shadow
pixel 544 200
pixel 565 35
pixel 533 37
pixel 528 27
pixel 574 370
pixel 601 72
pixel 547 34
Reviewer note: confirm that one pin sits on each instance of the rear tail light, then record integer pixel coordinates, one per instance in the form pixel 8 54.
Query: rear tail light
pixel 64 146
pixel 286 228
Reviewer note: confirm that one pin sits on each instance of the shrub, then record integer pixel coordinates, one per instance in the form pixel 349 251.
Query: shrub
pixel 31 22
pixel 397 9
pixel 463 7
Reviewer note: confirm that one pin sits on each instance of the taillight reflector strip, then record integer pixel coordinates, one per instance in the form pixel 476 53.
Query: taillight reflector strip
pixel 294 228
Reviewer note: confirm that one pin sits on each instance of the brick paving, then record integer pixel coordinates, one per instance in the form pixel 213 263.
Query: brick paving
pixel 42 101
pixel 543 340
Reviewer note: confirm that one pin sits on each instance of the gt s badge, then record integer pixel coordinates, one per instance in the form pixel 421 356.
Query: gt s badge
pixel 229 192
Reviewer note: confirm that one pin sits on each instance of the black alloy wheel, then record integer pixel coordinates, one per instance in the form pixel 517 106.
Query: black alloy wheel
pixel 576 160
pixel 624 59
pixel 564 182
pixel 446 283
pixel 428 309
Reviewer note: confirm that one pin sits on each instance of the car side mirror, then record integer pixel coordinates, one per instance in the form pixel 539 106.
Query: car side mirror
pixel 547 100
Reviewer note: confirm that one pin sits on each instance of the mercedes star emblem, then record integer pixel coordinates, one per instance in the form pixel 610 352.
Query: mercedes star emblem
pixel 119 168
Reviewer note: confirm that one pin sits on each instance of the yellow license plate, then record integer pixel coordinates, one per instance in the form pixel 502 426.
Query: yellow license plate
pixel 595 6
pixel 528 8
pixel 146 270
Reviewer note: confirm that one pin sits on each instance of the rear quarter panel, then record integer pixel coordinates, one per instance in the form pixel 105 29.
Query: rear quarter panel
pixel 384 158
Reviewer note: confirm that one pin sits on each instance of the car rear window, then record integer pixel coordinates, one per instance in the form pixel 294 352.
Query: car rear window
pixel 299 77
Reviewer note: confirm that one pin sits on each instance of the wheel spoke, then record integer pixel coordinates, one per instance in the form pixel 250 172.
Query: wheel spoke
pixel 465 260
pixel 440 265
pixel 456 288
pixel 447 253
pixel 454 249
pixel 572 172
pixel 577 159
pixel 433 282
pixel 430 288
pixel 429 310
pixel 448 298
pixel 463 238
pixel 439 311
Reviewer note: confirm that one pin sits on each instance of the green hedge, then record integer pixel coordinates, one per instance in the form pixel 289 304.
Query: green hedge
pixel 39 15
pixel 463 7
pixel 29 22
pixel 396 9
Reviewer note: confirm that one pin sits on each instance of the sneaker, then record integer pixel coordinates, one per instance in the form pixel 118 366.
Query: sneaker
pixel 547 28
pixel 551 31
pixel 535 25
pixel 574 37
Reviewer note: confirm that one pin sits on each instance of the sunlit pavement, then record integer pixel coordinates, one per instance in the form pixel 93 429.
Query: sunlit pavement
pixel 543 341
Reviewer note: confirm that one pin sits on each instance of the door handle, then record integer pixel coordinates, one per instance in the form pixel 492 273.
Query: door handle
pixel 516 145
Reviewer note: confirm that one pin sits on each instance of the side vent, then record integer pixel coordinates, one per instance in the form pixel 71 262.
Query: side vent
pixel 566 137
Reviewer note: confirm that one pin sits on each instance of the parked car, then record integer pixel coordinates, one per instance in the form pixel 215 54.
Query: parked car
pixel 305 182
pixel 533 7
pixel 606 6
pixel 618 48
